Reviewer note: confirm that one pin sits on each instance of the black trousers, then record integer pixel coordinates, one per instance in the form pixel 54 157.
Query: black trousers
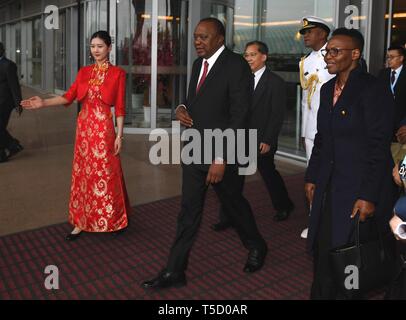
pixel 193 195
pixel 274 184
pixel 323 286
pixel 6 140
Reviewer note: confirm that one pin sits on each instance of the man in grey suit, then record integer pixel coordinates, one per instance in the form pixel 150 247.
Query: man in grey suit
pixel 10 97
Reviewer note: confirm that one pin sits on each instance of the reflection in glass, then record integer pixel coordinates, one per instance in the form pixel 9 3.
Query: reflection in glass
pixel 60 46
pixel 36 52
pixel 93 18
pixel 134 35
pixel 172 58
pixel 226 15
pixel 399 23
pixel 18 46
pixel 134 31
pixel 277 22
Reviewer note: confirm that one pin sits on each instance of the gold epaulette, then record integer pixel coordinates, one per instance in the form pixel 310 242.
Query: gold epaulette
pixel 309 84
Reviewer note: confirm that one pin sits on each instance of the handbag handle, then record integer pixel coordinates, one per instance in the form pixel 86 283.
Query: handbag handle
pixel 358 242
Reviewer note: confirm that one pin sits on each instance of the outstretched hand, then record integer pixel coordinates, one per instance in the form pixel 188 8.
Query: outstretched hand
pixel 32 103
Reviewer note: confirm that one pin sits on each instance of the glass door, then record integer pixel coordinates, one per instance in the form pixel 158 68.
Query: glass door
pixel 60 46
pixel 172 58
pixel 154 86
pixel 277 22
pixel 398 23
pixel 134 43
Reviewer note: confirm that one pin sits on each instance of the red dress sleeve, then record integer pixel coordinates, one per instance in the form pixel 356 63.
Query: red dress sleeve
pixel 71 94
pixel 120 99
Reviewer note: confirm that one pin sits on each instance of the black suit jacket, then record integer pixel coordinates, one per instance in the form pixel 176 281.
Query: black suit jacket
pixel 224 99
pixel 399 93
pixel 268 108
pixel 351 153
pixel 10 91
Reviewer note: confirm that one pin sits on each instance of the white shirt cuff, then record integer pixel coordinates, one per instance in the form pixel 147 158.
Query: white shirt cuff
pixel 219 160
pixel 181 105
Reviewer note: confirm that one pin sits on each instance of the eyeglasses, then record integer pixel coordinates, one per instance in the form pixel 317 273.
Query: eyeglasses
pixel 391 57
pixel 334 52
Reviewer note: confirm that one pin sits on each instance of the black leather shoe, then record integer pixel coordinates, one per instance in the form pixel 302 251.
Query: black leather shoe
pixel 15 149
pixel 73 237
pixel 118 232
pixel 256 259
pixel 166 280
pixel 282 215
pixel 221 226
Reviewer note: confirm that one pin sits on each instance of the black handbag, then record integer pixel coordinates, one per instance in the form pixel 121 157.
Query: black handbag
pixel 359 268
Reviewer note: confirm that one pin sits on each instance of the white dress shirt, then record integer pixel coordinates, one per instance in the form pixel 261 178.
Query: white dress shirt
pixel 258 74
pixel 212 60
pixel 398 71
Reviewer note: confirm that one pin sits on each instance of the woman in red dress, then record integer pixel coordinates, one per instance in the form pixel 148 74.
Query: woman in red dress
pixel 98 199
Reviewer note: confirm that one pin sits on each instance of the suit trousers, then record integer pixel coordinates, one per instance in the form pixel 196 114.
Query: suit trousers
pixel 274 183
pixel 193 196
pixel 6 140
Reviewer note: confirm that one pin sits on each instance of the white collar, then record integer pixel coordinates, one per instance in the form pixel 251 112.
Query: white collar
pixel 259 73
pixel 314 52
pixel 398 70
pixel 212 60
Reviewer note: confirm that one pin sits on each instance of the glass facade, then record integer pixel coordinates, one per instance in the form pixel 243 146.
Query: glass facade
pixel 134 54
pixel 153 43
pixel 276 22
pixel 133 45
pixel 398 22
pixel 35 52
pixel 60 48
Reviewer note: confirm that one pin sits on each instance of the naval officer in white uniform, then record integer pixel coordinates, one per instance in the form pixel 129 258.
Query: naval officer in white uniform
pixel 313 74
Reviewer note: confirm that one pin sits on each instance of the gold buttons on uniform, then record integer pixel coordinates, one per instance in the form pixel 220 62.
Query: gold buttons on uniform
pixel 343 112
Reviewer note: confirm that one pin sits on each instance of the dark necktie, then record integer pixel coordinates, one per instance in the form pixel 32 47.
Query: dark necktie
pixel 393 77
pixel 204 75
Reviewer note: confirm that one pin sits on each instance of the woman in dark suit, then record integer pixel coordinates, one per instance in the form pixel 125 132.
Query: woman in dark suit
pixel 350 170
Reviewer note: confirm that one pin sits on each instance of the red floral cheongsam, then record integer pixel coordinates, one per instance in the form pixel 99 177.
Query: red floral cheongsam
pixel 98 200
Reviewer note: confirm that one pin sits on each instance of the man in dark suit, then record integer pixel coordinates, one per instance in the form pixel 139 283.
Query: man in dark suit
pixel 219 97
pixel 10 97
pixel 394 78
pixel 350 169
pixel 266 116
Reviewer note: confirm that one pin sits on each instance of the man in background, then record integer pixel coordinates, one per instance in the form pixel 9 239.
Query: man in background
pixel 10 97
pixel 265 116
pixel 394 78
